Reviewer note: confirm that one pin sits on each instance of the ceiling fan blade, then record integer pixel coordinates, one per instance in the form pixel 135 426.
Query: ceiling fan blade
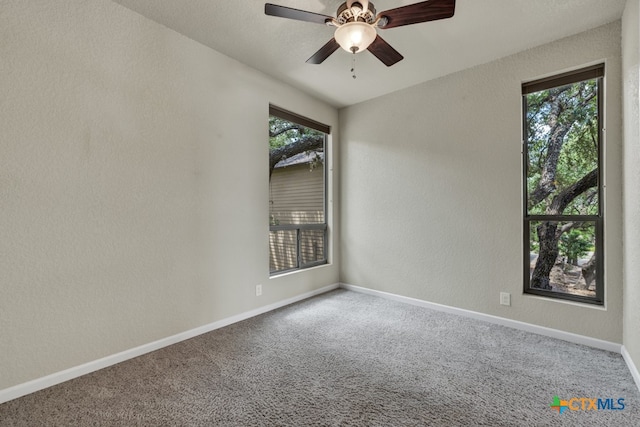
pixel 299 15
pixel 384 52
pixel 324 52
pixel 425 11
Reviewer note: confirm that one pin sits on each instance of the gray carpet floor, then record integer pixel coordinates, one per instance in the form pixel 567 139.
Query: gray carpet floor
pixel 344 359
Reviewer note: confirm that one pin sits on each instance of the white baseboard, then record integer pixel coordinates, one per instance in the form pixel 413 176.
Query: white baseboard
pixel 632 367
pixel 77 371
pixel 541 330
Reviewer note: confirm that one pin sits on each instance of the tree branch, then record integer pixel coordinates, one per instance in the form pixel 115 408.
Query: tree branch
pixel 557 133
pixel 304 143
pixel 280 131
pixel 562 200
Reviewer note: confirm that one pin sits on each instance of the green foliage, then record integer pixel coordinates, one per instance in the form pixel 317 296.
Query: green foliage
pixel 283 132
pixel 576 243
pixel 534 242
pixel 288 139
pixel 549 113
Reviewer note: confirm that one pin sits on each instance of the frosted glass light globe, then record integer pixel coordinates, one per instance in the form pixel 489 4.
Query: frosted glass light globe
pixel 355 36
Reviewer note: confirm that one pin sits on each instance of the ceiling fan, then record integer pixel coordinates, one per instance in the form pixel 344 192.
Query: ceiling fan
pixel 356 22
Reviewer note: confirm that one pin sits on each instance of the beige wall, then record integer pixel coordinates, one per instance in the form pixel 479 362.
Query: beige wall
pixel 133 185
pixel 631 86
pixel 431 189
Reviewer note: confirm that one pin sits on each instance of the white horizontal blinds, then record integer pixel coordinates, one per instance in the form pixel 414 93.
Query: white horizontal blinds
pixel 587 73
pixel 296 118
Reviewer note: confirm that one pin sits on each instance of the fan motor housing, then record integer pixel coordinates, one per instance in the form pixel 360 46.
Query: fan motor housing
pixel 355 13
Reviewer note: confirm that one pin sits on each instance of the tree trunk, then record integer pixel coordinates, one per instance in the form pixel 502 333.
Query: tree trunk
pixel 589 272
pixel 561 115
pixel 549 235
pixel 548 238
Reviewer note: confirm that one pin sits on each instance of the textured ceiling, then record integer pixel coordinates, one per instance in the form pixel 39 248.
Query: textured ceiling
pixel 480 31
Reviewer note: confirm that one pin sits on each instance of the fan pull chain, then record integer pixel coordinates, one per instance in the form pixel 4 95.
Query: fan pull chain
pixel 353 66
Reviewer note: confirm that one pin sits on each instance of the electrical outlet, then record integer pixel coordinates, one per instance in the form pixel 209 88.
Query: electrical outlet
pixel 505 298
pixel 258 290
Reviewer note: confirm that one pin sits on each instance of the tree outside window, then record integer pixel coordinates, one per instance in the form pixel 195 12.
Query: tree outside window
pixel 563 232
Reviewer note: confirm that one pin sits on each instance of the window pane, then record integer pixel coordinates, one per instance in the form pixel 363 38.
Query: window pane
pixel 297 190
pixel 562 257
pixel 562 150
pixel 312 246
pixel 296 193
pixel 283 248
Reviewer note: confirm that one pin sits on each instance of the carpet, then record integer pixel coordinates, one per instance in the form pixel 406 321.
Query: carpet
pixel 347 359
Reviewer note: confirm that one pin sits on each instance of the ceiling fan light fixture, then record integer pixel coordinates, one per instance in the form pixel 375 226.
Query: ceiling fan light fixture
pixel 357 23
pixel 355 36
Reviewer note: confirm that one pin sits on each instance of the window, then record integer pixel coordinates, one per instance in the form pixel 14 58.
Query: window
pixel 563 215
pixel 297 192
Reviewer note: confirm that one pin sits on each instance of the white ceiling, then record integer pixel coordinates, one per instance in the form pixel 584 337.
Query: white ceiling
pixel 480 31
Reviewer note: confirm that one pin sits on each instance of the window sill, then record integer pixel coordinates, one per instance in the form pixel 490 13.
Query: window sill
pixel 602 307
pixel 302 270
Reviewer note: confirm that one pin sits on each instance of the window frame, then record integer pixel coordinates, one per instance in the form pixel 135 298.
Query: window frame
pixel 300 228
pixel 596 72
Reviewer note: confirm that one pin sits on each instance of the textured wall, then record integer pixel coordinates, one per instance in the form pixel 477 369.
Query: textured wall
pixel 133 185
pixel 631 86
pixel 431 189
